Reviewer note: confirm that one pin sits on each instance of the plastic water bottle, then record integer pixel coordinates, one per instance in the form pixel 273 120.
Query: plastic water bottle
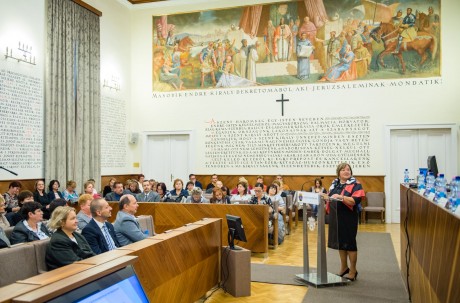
pixel 430 184
pixel 440 187
pixel 420 181
pixel 454 194
pixel 406 176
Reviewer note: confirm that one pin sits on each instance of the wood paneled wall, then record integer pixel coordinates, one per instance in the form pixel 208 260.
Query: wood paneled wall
pixel 434 236
pixel 295 182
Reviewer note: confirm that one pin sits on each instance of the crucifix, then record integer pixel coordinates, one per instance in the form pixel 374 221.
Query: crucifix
pixel 282 100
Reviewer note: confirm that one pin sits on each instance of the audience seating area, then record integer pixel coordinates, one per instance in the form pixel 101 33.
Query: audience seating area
pixel 22 261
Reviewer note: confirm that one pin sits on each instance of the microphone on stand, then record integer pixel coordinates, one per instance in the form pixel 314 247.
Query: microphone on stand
pixel 301 189
pixel 11 172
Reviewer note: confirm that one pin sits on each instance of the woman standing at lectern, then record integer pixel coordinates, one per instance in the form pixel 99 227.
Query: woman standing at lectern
pixel 344 196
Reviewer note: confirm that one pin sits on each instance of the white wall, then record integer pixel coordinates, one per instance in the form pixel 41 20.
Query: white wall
pixel 408 104
pixel 23 22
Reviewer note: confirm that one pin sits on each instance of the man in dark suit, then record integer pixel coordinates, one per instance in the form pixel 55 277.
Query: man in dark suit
pixel 148 195
pixel 99 233
pixel 117 192
pixel 195 182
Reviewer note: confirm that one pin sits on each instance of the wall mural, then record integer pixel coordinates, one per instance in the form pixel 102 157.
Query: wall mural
pixel 300 42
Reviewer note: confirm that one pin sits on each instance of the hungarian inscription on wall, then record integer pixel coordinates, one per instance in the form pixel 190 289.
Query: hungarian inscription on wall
pixel 113 132
pixel 319 142
pixel 21 120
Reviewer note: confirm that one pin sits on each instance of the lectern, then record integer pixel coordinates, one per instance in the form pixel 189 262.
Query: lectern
pixel 321 277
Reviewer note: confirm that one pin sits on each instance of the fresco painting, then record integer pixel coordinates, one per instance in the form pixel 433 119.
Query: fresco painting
pixel 301 42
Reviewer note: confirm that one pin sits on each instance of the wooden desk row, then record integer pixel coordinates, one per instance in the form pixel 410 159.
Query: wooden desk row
pixel 178 266
pixel 168 216
pixel 434 237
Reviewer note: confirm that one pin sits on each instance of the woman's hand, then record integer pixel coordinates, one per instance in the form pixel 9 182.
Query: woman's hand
pixel 337 197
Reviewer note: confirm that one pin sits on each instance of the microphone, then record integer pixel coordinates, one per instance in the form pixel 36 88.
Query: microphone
pixel 301 189
pixel 11 172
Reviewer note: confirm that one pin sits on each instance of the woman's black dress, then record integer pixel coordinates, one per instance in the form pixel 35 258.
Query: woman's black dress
pixel 343 222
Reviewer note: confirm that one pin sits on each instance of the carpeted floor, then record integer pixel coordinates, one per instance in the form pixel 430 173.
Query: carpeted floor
pixel 379 278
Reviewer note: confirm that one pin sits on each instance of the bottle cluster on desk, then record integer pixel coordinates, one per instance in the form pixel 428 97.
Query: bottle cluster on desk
pixel 435 189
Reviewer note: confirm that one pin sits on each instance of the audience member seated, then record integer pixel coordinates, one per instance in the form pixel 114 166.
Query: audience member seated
pixel 153 184
pixel 4 223
pixel 189 187
pixel 260 198
pixel 179 190
pixel 40 195
pixel 242 194
pixel 319 189
pixel 211 185
pixel 117 192
pixel 132 188
pixel 220 185
pixel 94 187
pixel 260 179
pixel 226 191
pixel 241 179
pixel 283 185
pixel 280 191
pixel 148 195
pixel 84 215
pixel 24 196
pixel 162 192
pixel 4 241
pixel 11 197
pixel 66 245
pixel 54 192
pixel 196 196
pixel 53 205
pixel 127 228
pixel 88 188
pixel 99 233
pixel 273 196
pixel 108 187
pixel 140 181
pixel 69 193
pixel 195 182
pixel 219 196
pixel 31 228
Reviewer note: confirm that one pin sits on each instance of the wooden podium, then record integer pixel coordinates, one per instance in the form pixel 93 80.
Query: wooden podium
pixel 236 271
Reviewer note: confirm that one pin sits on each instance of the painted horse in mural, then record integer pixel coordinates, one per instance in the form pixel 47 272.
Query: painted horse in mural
pixel 388 33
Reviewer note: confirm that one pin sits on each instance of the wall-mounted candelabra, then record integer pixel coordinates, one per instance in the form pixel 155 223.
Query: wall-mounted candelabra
pixel 25 54
pixel 113 83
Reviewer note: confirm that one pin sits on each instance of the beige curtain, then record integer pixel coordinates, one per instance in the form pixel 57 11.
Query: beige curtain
pixel 250 19
pixel 72 94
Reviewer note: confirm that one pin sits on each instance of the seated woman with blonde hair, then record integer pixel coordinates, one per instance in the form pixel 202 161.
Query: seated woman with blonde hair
pixel 66 245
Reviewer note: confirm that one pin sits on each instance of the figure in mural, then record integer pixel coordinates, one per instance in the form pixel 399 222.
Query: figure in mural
pixel 269 39
pixel 355 39
pixel 168 76
pixel 309 28
pixel 407 29
pixel 244 51
pixel 208 63
pixel 344 70
pixel 431 22
pixel 333 49
pixel 397 20
pixel 362 59
pixel 283 41
pixel 253 56
pixel 295 32
pixel 235 30
pixel 303 50
pixel 228 78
